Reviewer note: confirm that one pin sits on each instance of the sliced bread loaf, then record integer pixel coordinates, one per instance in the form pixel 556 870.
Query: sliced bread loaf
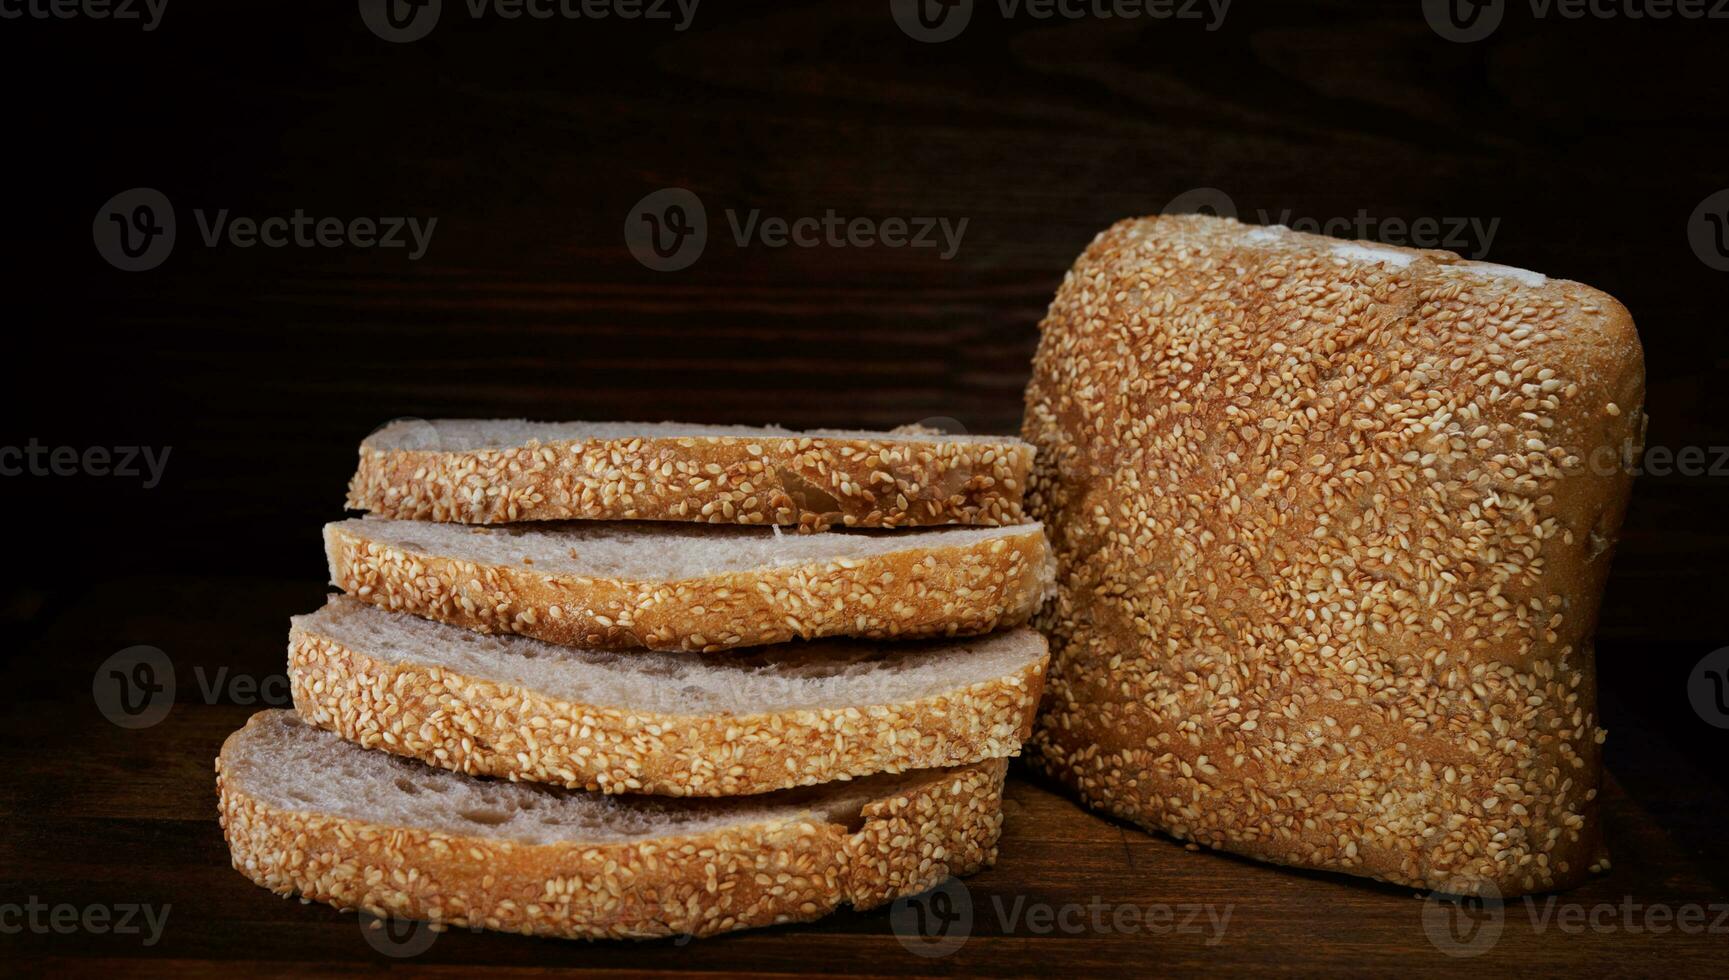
pixel 1333 519
pixel 497 471
pixel 667 723
pixel 306 812
pixel 693 587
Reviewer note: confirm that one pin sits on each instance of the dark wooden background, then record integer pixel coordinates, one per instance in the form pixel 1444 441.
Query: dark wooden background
pixel 1590 141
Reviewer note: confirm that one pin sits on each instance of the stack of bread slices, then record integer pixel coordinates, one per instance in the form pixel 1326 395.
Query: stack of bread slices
pixel 609 680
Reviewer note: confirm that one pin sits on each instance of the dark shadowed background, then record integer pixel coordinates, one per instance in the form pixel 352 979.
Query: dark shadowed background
pixel 1583 148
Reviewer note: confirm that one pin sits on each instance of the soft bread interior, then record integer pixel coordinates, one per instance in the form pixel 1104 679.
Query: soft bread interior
pixel 824 674
pixel 464 435
pixel 285 763
pixel 651 552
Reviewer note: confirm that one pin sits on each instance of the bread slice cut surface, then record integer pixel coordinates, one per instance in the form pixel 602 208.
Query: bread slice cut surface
pixel 307 813
pixel 491 471
pixel 619 585
pixel 666 723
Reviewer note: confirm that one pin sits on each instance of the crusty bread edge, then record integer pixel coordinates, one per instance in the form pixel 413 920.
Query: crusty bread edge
pixel 929 591
pixel 483 727
pixel 813 482
pixel 738 877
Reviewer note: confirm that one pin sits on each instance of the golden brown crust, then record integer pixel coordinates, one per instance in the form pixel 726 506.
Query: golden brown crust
pixel 814 482
pixel 486 728
pixel 1332 523
pixel 952 590
pixel 754 874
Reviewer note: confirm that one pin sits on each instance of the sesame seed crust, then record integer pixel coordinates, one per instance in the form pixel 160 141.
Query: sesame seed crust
pixel 1332 525
pixel 481 727
pixel 768 872
pixel 924 591
pixel 811 482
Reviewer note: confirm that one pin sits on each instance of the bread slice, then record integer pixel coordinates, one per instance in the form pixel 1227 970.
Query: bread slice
pixel 306 812
pixel 496 471
pixel 667 723
pixel 691 586
pixel 1333 521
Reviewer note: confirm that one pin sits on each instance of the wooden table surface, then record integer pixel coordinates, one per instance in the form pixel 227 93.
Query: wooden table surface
pixel 1587 142
pixel 100 815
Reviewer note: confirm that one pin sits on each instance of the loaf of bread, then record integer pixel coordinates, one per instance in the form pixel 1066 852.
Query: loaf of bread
pixel 1332 522
pixel 493 471
pixel 668 723
pixel 665 586
pixel 307 813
